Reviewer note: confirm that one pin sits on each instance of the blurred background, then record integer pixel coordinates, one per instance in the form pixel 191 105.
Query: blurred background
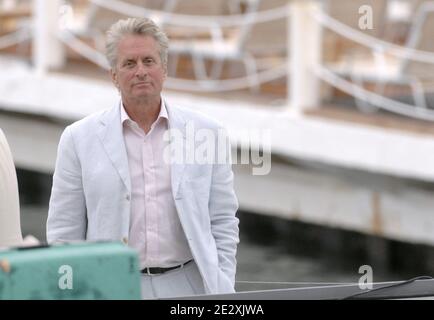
pixel 342 87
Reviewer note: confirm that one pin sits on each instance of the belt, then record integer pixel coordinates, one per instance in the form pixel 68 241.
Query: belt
pixel 158 270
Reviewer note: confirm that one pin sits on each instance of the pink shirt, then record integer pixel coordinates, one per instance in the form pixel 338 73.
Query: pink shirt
pixel 155 229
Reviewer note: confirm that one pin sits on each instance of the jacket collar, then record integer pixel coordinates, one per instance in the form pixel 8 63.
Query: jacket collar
pixel 111 135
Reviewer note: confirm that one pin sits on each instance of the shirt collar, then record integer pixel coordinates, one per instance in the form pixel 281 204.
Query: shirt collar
pixel 162 114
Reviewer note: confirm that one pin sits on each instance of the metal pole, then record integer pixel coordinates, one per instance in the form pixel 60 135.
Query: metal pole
pixel 305 48
pixel 48 51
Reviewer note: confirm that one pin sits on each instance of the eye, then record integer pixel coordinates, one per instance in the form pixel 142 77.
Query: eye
pixel 129 63
pixel 149 61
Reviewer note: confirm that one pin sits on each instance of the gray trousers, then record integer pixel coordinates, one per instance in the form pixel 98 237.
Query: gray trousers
pixel 185 281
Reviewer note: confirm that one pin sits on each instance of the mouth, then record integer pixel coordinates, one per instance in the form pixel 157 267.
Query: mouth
pixel 141 84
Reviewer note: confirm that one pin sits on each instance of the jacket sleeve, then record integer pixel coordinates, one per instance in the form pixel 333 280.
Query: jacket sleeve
pixel 223 205
pixel 10 228
pixel 67 219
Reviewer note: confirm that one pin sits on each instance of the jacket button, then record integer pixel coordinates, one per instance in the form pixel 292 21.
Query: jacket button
pixel 125 240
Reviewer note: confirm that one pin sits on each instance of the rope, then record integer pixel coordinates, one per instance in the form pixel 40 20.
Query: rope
pixel 373 42
pixel 378 45
pixel 69 39
pixel 16 37
pixel 227 84
pixel 99 59
pixel 374 98
pixel 271 74
pixel 194 20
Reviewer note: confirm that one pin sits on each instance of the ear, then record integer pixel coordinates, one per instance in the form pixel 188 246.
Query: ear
pixel 165 72
pixel 114 77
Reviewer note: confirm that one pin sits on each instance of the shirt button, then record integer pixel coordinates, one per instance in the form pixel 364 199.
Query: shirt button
pixel 127 197
pixel 125 240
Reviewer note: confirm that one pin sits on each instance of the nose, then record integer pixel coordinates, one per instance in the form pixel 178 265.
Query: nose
pixel 141 70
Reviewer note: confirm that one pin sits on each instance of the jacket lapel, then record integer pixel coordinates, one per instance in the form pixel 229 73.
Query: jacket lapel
pixel 176 123
pixel 111 136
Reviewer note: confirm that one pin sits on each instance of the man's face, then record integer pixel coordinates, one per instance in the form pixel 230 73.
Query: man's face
pixel 139 72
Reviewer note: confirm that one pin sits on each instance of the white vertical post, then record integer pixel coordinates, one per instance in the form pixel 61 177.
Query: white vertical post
pixel 48 51
pixel 305 51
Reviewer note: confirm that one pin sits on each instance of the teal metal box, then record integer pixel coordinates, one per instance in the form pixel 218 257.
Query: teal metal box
pixel 70 271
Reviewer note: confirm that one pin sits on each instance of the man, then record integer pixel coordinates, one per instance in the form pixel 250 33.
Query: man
pixel 113 182
pixel 10 228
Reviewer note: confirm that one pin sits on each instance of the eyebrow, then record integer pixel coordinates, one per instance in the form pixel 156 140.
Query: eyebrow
pixel 142 58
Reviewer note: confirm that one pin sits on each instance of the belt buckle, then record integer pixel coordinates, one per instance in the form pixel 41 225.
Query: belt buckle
pixel 148 272
pixel 148 269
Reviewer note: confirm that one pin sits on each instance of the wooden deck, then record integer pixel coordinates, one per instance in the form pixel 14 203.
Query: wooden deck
pixel 273 95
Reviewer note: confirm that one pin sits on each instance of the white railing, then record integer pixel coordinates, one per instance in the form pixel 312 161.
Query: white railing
pixel 233 20
pixel 382 48
pixel 375 44
pixel 93 55
pixel 19 36
pixel 303 64
pixel 68 37
pixel 374 98
pixel 23 32
pixel 86 51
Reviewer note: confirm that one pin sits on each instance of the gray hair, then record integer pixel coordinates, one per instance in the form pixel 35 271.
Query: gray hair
pixel 134 26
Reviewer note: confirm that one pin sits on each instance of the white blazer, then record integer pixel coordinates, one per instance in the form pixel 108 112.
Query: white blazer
pixel 10 228
pixel 90 198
